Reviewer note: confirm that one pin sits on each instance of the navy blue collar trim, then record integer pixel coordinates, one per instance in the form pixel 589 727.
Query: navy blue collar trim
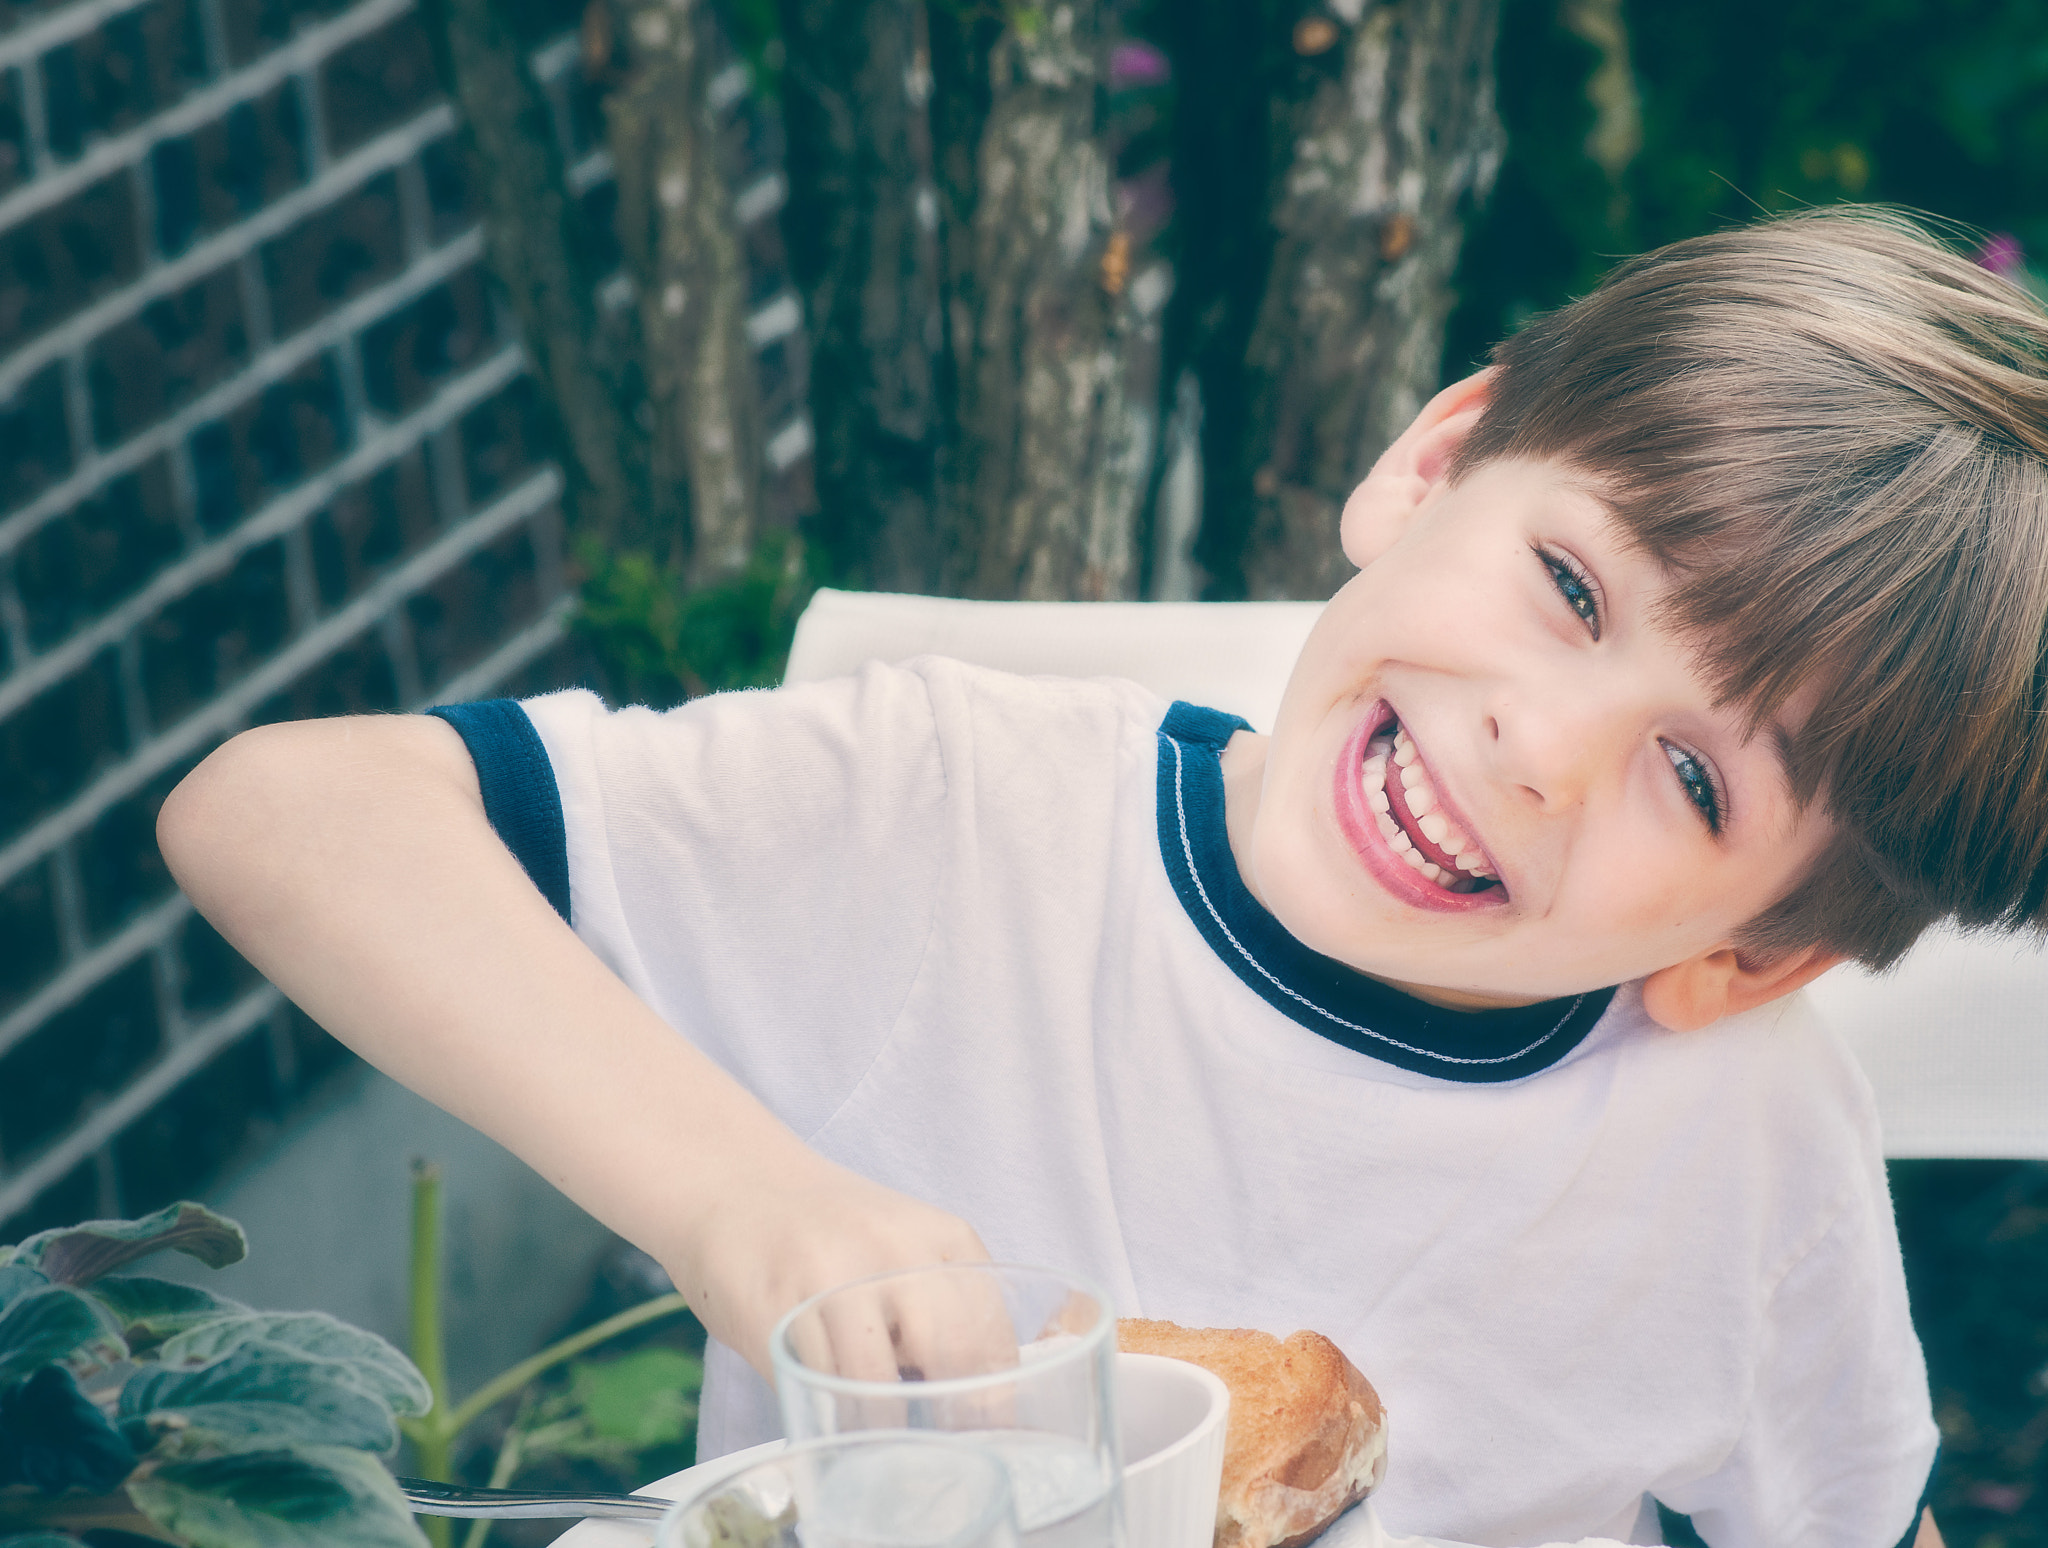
pixel 1322 994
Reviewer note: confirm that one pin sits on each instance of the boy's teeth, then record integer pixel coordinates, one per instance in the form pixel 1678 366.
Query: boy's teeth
pixel 1420 799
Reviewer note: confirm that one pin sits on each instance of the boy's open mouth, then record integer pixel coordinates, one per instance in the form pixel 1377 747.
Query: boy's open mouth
pixel 1397 789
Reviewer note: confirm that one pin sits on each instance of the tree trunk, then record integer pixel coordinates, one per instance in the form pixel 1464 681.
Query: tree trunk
pixel 1383 143
pixel 972 320
pixel 1054 448
pixel 863 233
pixel 543 258
pixel 681 235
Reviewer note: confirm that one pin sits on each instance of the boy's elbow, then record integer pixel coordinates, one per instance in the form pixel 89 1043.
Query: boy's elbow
pixel 217 814
pixel 283 807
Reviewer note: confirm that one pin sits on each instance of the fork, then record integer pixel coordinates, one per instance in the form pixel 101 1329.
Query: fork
pixel 428 1498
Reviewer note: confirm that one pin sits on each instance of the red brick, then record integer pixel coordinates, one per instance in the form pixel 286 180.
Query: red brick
pixel 343 250
pixel 166 355
pixel 67 257
pixel 378 82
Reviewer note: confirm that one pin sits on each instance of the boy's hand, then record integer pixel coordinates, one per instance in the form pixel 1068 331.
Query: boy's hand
pixel 799 1226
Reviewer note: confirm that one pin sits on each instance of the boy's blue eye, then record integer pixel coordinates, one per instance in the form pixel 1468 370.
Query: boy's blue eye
pixel 1575 586
pixel 1698 781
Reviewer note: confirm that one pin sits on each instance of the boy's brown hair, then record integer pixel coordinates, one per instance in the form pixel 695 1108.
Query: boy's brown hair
pixel 1832 432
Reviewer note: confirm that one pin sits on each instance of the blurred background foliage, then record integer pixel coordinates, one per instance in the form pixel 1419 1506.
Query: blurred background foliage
pixel 1630 126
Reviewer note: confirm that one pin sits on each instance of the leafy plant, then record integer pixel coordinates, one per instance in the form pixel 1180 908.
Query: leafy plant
pixel 615 1411
pixel 162 1410
pixel 660 641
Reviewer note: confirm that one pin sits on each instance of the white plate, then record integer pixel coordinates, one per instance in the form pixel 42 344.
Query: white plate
pixel 1358 1527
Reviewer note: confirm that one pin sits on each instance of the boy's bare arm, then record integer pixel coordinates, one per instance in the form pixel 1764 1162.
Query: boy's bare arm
pixel 351 861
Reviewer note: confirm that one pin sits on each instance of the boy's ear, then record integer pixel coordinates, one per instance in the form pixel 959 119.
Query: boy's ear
pixel 1701 990
pixel 1410 469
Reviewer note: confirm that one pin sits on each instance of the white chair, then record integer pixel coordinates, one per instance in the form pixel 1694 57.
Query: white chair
pixel 1955 1038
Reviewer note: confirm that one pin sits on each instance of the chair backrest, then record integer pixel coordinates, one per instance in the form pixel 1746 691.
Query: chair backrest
pixel 1954 1039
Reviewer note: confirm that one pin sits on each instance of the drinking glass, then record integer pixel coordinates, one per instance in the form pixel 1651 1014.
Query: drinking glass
pixel 1020 1360
pixel 879 1489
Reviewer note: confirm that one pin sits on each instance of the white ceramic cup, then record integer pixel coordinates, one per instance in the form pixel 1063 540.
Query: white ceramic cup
pixel 1171 1422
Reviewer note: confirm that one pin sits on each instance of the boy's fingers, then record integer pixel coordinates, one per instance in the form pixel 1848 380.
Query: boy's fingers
pixel 955 1324
pixel 860 1336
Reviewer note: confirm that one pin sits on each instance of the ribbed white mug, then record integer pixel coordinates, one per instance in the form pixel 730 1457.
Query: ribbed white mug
pixel 1171 1421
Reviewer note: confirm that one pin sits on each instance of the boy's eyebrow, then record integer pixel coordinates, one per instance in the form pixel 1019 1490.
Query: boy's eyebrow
pixel 1779 737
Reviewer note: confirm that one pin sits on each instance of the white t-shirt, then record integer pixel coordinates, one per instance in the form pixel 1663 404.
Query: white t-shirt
pixel 978 938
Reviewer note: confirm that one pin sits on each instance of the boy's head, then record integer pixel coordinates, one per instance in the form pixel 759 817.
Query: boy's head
pixel 1790 484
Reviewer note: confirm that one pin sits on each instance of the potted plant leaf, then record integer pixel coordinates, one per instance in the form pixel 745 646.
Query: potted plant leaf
pixel 152 1408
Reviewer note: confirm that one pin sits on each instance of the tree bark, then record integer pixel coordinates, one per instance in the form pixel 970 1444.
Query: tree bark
pixel 1386 144
pixel 1054 448
pixel 863 233
pixel 542 257
pixel 682 241
pixel 978 433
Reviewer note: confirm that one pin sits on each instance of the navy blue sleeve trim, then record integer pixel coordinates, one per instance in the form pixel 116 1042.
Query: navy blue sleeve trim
pixel 520 797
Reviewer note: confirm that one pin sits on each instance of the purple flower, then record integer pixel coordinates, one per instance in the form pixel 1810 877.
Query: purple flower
pixel 2003 256
pixel 1137 64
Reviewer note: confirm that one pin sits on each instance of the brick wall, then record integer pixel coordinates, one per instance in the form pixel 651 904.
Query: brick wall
pixel 267 450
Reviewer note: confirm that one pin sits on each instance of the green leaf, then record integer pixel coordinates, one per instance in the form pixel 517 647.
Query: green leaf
pixel 50 1325
pixel 18 1280
pixel 54 1438
pixel 38 1540
pixel 260 1391
pixel 646 1398
pixel 148 1311
pixel 77 1255
pixel 304 1497
pixel 364 1359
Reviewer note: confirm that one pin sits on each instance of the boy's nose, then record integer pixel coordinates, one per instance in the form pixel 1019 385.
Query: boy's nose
pixel 1546 749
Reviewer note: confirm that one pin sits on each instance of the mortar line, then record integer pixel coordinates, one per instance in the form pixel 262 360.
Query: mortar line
pixel 35 118
pixel 68 894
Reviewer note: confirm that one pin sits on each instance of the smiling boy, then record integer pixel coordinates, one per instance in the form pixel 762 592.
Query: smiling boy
pixel 1694 647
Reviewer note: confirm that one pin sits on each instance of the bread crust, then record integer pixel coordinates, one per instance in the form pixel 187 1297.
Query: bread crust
pixel 1307 1436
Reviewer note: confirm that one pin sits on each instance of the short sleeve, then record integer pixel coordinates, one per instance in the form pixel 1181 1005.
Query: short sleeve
pixel 761 867
pixel 1839 1439
pixel 518 786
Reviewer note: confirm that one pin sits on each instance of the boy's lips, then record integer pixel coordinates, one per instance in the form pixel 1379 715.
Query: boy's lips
pixel 1423 835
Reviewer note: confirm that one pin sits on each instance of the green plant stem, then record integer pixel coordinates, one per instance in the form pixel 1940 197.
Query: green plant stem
pixel 504 1385
pixel 432 1434
pixel 77 1513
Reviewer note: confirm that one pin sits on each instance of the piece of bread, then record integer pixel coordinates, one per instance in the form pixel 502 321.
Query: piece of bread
pixel 1307 1436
